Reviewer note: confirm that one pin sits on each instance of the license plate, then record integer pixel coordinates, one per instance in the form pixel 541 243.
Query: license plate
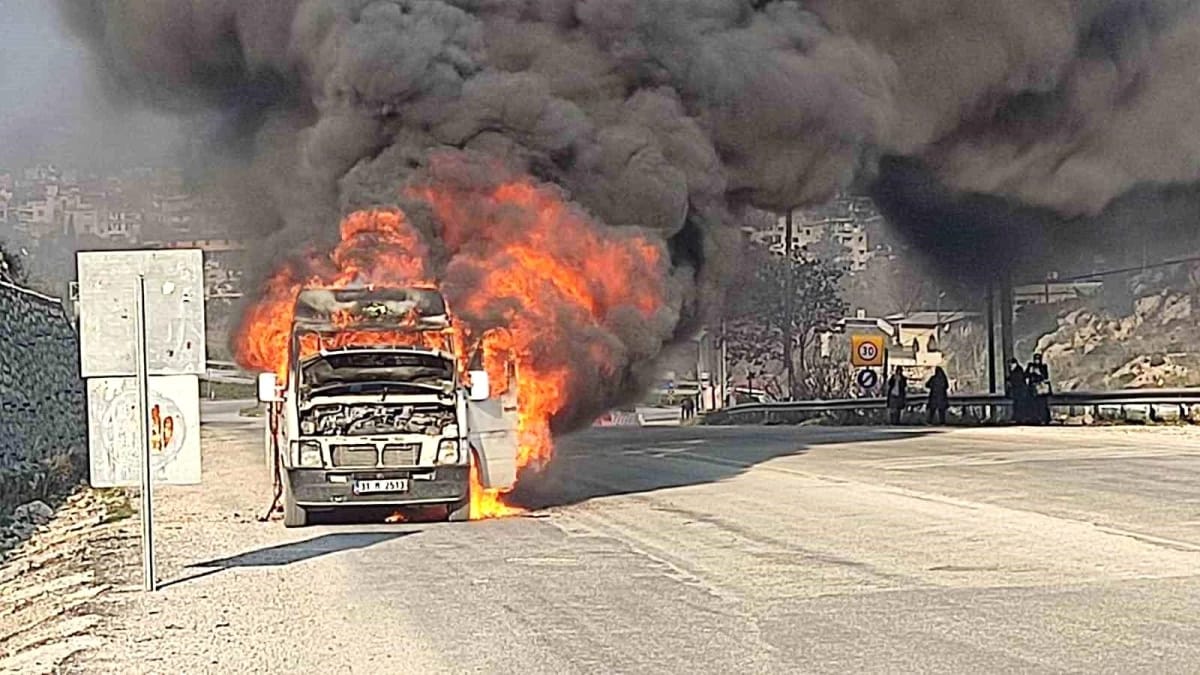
pixel 364 487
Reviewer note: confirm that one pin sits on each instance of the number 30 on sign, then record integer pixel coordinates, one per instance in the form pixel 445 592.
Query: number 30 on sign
pixel 866 350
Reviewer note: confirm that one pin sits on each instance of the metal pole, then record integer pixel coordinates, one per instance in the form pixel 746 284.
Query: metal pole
pixel 721 385
pixel 1007 347
pixel 144 436
pixel 788 289
pixel 991 338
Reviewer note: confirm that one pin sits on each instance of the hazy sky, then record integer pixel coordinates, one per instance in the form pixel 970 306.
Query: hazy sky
pixel 51 108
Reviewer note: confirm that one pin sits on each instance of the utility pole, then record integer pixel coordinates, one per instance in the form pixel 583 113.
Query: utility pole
pixel 991 337
pixel 1006 322
pixel 788 303
pixel 724 368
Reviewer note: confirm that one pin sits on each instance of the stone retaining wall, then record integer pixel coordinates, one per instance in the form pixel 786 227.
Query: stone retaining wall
pixel 43 418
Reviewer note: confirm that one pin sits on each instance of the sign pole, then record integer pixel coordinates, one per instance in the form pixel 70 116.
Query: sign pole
pixel 144 437
pixel 788 300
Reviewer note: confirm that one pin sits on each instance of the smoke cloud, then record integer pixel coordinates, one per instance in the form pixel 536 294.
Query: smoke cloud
pixel 669 115
pixel 51 110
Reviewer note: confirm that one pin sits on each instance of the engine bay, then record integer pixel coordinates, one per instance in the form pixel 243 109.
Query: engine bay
pixel 365 419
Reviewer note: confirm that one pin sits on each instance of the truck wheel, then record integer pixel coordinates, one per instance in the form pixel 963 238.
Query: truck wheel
pixel 459 511
pixel 294 515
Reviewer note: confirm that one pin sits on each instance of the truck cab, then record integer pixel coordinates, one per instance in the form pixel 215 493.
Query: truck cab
pixel 375 407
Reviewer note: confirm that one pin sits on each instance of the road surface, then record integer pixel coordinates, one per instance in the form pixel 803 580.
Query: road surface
pixel 703 550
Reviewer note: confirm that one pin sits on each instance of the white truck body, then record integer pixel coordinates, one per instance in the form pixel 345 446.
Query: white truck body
pixel 372 414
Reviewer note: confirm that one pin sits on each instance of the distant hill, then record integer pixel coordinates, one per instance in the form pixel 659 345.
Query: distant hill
pixel 1153 340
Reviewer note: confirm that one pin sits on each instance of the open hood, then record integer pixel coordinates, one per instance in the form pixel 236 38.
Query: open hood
pixel 371 369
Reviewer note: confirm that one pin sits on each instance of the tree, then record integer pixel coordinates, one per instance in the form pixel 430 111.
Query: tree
pixel 891 285
pixel 756 317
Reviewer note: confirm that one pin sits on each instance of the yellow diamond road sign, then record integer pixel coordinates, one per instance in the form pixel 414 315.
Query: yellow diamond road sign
pixel 866 350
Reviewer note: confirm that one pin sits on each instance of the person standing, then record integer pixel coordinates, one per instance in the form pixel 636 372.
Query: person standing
pixel 687 408
pixel 939 397
pixel 897 395
pixel 1018 392
pixel 1037 378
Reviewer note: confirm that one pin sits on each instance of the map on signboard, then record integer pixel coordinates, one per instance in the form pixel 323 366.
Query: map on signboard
pixel 174 312
pixel 113 438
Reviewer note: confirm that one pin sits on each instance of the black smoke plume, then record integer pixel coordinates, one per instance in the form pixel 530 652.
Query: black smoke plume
pixel 1007 123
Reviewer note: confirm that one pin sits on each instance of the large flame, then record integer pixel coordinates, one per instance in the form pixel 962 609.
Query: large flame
pixel 376 247
pixel 531 278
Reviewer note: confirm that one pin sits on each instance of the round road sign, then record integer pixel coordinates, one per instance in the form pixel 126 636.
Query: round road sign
pixel 867 379
pixel 868 351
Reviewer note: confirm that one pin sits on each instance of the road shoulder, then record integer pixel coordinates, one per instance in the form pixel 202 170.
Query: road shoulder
pixel 49 584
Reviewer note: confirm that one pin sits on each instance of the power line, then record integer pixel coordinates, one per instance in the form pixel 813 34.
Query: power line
pixel 1123 270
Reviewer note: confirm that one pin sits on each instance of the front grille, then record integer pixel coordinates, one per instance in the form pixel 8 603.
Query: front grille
pixel 401 455
pixel 355 455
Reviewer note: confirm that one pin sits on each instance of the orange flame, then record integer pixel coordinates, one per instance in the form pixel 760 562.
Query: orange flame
pixel 377 247
pixel 521 260
pixel 488 503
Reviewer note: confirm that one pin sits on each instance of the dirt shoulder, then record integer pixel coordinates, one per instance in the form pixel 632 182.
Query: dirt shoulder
pixel 70 595
pixel 49 583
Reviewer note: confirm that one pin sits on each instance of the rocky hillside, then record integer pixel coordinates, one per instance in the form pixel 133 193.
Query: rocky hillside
pixel 1156 344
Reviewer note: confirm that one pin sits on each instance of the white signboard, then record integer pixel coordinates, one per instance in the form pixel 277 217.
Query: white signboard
pixel 174 312
pixel 115 453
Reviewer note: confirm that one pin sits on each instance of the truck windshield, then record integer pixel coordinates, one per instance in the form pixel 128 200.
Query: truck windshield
pixel 310 343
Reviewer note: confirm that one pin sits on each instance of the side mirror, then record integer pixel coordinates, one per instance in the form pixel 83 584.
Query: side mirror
pixel 481 388
pixel 268 390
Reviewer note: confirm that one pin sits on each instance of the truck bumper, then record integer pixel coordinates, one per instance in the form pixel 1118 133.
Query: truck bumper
pixel 321 488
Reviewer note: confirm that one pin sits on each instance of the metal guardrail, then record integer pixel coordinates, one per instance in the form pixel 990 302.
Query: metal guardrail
pixel 224 372
pixel 651 417
pixel 1148 400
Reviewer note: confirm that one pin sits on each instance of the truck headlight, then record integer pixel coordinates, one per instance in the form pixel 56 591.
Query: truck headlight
pixel 448 451
pixel 309 455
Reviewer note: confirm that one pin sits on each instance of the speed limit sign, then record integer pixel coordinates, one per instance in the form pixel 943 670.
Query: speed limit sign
pixel 866 351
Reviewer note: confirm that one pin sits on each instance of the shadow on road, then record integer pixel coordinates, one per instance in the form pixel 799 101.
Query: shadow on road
pixel 604 462
pixel 287 554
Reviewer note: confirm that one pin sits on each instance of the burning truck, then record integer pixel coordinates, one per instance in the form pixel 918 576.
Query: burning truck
pixel 541 295
pixel 377 407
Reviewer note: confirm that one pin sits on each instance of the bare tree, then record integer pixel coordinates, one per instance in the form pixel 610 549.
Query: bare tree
pixel 898 284
pixel 756 313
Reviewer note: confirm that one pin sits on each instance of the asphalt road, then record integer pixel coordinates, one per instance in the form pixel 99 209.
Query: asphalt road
pixel 705 550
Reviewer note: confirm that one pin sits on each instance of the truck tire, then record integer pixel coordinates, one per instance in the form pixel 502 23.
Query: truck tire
pixel 294 515
pixel 459 511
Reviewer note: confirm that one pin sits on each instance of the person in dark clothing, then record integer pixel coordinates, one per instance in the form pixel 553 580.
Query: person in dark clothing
pixel 687 408
pixel 897 395
pixel 939 396
pixel 1037 379
pixel 1018 392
